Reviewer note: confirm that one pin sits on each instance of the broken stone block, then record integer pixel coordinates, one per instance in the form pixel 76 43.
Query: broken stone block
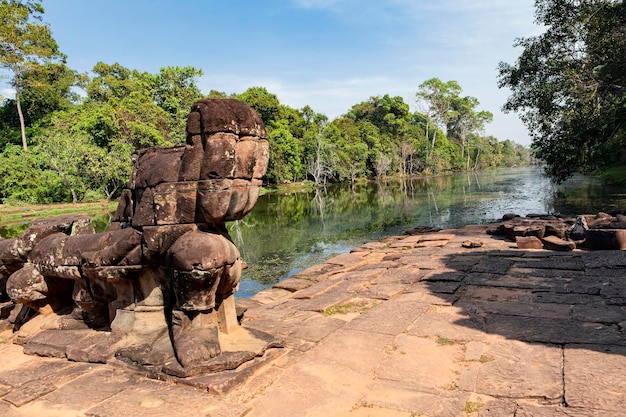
pixel 554 243
pixel 528 242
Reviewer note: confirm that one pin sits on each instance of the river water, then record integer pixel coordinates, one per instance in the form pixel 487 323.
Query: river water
pixel 288 232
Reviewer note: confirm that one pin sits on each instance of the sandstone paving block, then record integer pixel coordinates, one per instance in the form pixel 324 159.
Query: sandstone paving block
pixel 303 325
pixel 294 284
pixel 547 330
pixel 369 247
pixel 338 294
pixel 422 293
pixel 348 260
pixel 533 282
pixel 93 387
pixel 530 410
pixel 518 370
pixel 33 370
pixel 594 377
pixel 599 313
pixel 561 298
pixel 494 265
pixel 517 308
pixel 421 364
pixel 292 396
pixel 615 259
pixel 388 394
pixel 451 323
pixel 443 275
pixel 271 295
pixel 401 275
pixel 614 294
pixel 340 370
pixel 473 292
pixel 574 263
pixel 319 288
pixel 546 272
pixel 390 317
pixel 439 287
pixel 383 291
pixel 316 328
pixel 606 272
pixel 382 265
pixel 153 398
pixel 498 408
pixel 28 392
pixel 7 410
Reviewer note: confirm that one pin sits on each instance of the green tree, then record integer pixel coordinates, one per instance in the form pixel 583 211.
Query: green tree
pixel 436 97
pixel 569 84
pixel 265 103
pixel 24 44
pixel 175 90
pixel 465 122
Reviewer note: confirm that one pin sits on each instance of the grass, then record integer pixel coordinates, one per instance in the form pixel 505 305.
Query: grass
pixel 349 307
pixel 472 407
pixel 615 174
pixel 444 341
pixel 12 214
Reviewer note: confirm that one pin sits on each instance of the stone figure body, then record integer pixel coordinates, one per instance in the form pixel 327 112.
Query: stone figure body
pixel 167 256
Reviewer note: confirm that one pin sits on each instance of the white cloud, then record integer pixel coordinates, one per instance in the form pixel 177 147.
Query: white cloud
pixel 7 93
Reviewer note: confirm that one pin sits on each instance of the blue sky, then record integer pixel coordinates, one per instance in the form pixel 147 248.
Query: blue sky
pixel 329 54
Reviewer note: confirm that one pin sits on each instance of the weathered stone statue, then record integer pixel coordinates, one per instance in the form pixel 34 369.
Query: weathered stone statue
pixel 166 268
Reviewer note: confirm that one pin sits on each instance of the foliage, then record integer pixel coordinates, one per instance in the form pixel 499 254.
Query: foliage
pixel 81 144
pixel 24 45
pixel 569 84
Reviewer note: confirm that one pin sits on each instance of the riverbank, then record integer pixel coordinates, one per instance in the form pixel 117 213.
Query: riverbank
pixel 19 213
pixel 406 326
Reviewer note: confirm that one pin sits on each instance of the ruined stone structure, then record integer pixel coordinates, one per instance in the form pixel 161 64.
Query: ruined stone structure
pixel 160 281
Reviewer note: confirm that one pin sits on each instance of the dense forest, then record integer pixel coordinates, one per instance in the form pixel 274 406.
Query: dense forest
pixel 68 136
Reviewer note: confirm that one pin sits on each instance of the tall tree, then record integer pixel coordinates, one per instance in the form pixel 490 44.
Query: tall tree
pixel 569 84
pixel 25 42
pixel 436 97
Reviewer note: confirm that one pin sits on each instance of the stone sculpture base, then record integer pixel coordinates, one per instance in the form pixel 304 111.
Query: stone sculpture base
pixel 148 347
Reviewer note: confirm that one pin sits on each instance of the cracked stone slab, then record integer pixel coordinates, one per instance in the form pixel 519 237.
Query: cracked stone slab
pixel 517 308
pixel 421 364
pixel 548 330
pixel 387 394
pixel 391 317
pixel 28 392
pixel 161 399
pixel 514 369
pixel 34 370
pixel 594 377
pixel 451 323
pixel 93 387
